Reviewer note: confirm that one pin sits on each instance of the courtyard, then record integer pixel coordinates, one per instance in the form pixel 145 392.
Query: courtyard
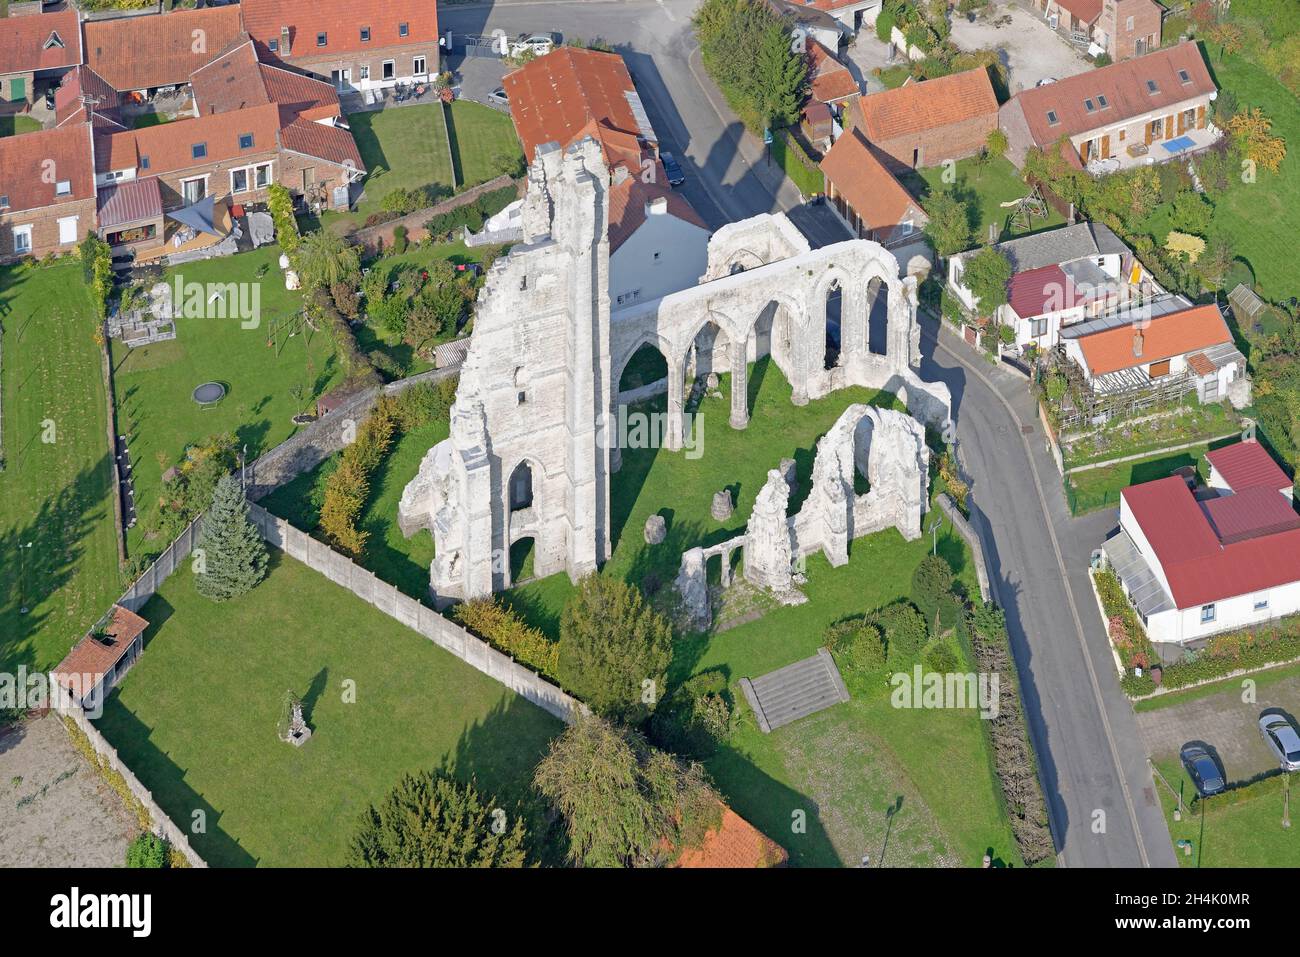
pixel 1027 46
pixel 196 720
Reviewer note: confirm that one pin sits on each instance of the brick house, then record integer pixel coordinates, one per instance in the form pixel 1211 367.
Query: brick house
pixel 1120 28
pixel 145 53
pixel 928 122
pixel 353 45
pixel 866 196
pixel 1126 112
pixel 34 47
pixel 47 191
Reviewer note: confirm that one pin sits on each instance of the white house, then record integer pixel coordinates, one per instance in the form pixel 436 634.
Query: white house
pixel 657 242
pixel 1198 563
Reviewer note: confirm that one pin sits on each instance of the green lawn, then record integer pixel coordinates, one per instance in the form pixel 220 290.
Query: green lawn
pixel 404 147
pixel 1262 679
pixel 17 123
pixel 1100 487
pixel 196 718
pixel 154 383
pixel 55 495
pixel 786 155
pixel 480 136
pixel 146 120
pixel 1232 829
pixel 983 188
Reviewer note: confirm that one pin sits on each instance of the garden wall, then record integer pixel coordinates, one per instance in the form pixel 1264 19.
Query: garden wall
pixel 144 587
pixel 443 632
pixel 162 823
pixel 966 531
pixel 372 236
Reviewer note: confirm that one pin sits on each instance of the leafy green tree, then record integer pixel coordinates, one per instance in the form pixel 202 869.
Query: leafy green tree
pixel 905 632
pixel 438 307
pixel 234 555
pixel 932 592
pixel 431 820
pixel 996 143
pixel 986 275
pixel 948 228
pixel 148 850
pixel 325 258
pixel 624 803
pixel 614 649
pixel 1191 213
pixel 779 75
pixel 748 51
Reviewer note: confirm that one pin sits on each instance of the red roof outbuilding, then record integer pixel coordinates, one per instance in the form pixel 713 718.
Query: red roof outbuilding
pixel 1245 465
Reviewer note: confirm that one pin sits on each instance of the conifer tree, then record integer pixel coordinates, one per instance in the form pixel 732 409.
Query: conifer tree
pixel 234 555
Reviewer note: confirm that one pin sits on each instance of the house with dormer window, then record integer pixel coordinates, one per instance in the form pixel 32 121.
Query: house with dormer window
pixel 35 49
pixel 355 46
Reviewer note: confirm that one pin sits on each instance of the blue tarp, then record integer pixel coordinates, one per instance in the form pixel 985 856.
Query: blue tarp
pixel 198 217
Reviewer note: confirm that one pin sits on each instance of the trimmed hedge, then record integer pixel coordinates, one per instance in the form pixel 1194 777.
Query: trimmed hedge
pixel 1224 654
pixel 505 630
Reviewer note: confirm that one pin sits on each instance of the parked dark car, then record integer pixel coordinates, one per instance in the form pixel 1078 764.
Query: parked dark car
pixel 674 170
pixel 1203 769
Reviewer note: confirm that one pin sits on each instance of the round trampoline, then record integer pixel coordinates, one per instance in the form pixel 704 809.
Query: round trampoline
pixel 210 393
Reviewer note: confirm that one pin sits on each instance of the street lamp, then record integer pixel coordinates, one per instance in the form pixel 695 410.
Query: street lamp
pixel 936 520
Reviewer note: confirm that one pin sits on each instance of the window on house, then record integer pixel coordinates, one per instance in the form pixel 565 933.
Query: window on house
pixel 1153 87
pixel 365 71
pixel 144 162
pixel 417 65
pixel 1207 613
pixel 1128 25
pixel 1184 77
pixel 273 45
pixel 4 202
pixel 1052 118
pixel 322 39
pixel 1102 101
pixel 245 141
pixel 389 72
pixel 22 239
pixel 54 41
pixel 63 188
pixel 1261 604
pixel 1090 106
pixel 656 255
pixel 262 176
pixel 1038 327
pixel 67 230
pixel 365 34
pixel 403 29
pixel 239 180
pixel 199 151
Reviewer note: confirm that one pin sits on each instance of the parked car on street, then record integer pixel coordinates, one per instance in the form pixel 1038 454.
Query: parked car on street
pixel 1202 769
pixel 540 43
pixel 1281 737
pixel 674 170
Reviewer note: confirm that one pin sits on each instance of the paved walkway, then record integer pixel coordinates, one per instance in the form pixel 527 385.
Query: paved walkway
pixel 1225 723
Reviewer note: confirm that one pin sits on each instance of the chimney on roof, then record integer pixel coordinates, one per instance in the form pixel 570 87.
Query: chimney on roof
pixel 657 206
pixel 1137 343
pixel 284 41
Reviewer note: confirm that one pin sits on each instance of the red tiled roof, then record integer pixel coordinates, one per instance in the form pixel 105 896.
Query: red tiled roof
pixel 83 81
pixel 927 105
pixel 169 146
pixel 25 42
pixel 556 97
pixel 628 200
pixel 129 202
pixel 1199 567
pixel 1038 292
pixel 734 843
pixel 1200 363
pixel 1173 334
pixel 830 79
pixel 341 21
pixel 230 82
pixel 1083 10
pixel 333 144
pixel 865 182
pixel 1246 465
pixel 26 161
pixel 137 53
pixel 92 657
pixel 1124 85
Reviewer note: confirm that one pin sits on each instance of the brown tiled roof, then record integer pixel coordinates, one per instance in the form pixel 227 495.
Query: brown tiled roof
pixel 928 105
pixel 830 79
pixel 169 146
pixel 136 53
pixel 1173 334
pixel 866 183
pixel 628 200
pixel 230 82
pixel 556 97
pixel 1199 363
pixel 734 843
pixel 1085 11
pixel 321 140
pixel 341 21
pixel 25 162
pixel 83 81
pixel 1124 85
pixel 92 657
pixel 25 42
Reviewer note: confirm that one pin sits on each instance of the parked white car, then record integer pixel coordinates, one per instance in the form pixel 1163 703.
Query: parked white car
pixel 1282 740
pixel 540 43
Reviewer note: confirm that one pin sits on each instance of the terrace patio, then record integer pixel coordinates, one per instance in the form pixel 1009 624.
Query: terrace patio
pixel 1137 153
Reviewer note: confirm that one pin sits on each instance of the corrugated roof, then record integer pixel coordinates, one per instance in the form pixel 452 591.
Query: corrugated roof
pixel 1042 291
pixel 865 182
pixel 130 202
pixel 341 21
pixel 43 41
pixel 1163 337
pixel 1124 87
pixel 1199 567
pixel 1249 513
pixel 1246 465
pixel 137 53
pixel 927 105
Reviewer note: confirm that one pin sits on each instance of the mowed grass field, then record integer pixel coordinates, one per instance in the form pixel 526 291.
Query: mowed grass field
pixel 196 719
pixel 479 137
pixel 155 383
pixel 405 147
pixel 58 549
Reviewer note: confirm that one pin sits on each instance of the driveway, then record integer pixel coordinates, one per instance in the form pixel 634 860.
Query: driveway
pixel 1225 723
pixel 1029 48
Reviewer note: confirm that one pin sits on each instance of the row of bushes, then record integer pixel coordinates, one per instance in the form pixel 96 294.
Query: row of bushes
pixel 1126 631
pixel 280 203
pixel 503 629
pixel 349 486
pixel 472 215
pixel 97 270
pixel 1224 654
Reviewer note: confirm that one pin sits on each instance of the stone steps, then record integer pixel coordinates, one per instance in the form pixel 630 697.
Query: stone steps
pixel 795 691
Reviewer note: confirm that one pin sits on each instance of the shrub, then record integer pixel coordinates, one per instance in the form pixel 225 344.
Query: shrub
pixel 424 403
pixel 280 203
pixel 695 718
pixel 347 489
pixel 857 646
pixel 399 240
pixel 932 584
pixel 148 850
pixel 939 657
pixel 905 632
pixel 505 630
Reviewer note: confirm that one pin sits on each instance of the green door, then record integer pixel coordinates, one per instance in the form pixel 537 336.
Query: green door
pixel 18 89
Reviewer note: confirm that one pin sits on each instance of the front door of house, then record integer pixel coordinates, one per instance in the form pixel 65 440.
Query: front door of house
pixel 18 89
pixel 342 79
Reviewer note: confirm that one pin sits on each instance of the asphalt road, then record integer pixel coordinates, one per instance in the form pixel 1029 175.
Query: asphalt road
pixel 728 176
pixel 1102 802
